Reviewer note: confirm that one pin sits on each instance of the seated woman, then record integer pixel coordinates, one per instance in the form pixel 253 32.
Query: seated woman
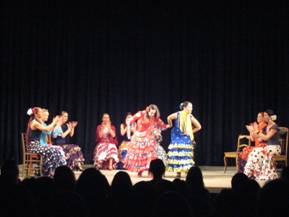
pixel 258 126
pixel 53 156
pixel 161 153
pixel 61 136
pixel 45 137
pixel 260 165
pixel 126 131
pixel 105 154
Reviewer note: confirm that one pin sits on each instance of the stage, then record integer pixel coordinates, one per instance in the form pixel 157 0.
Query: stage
pixel 214 177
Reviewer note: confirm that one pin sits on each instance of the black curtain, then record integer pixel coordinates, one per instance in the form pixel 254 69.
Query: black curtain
pixel 231 61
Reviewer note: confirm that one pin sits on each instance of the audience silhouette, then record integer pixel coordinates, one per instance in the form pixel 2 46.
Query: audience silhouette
pixel 92 195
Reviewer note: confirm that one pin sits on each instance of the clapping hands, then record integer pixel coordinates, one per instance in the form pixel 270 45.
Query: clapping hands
pixel 74 123
pixel 250 128
pixel 55 119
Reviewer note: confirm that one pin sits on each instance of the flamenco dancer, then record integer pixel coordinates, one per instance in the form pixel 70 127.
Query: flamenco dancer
pixel 181 148
pixel 143 145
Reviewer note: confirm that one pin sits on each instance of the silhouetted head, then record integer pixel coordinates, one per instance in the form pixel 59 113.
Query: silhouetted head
pixel 239 182
pixel 194 178
pixel 92 183
pixel 157 168
pixel 64 178
pixel 121 184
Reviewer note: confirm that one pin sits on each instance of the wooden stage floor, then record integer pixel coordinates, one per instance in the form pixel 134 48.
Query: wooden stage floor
pixel 214 177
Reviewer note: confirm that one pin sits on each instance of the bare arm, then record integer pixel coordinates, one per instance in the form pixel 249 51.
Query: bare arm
pixel 36 125
pixel 196 124
pixel 99 131
pixel 135 117
pixel 266 137
pixel 72 132
pixel 73 125
pixel 123 129
pixel 112 131
pixel 162 125
pixel 171 117
pixel 67 132
pixel 251 131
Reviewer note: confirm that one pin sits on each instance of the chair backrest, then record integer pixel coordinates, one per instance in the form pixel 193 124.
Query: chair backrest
pixel 24 146
pixel 240 142
pixel 284 140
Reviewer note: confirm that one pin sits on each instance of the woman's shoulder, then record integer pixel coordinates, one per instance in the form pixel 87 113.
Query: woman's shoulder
pixel 174 114
pixel 274 127
pixel 35 122
pixel 140 113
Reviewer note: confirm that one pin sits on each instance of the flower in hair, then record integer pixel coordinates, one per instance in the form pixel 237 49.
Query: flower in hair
pixel 29 111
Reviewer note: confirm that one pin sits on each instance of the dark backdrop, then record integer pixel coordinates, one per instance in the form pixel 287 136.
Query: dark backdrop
pixel 118 56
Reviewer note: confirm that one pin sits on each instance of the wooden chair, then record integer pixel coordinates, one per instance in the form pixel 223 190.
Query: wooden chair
pixel 284 147
pixel 32 162
pixel 234 154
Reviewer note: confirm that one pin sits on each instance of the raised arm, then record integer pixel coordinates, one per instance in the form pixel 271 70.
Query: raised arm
pixel 112 131
pixel 57 131
pixel 36 125
pixel 98 132
pixel 251 129
pixel 71 132
pixel 269 135
pixel 68 131
pixel 136 116
pixel 123 129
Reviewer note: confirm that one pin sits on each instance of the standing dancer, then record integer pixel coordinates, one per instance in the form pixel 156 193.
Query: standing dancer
pixel 181 148
pixel 143 146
